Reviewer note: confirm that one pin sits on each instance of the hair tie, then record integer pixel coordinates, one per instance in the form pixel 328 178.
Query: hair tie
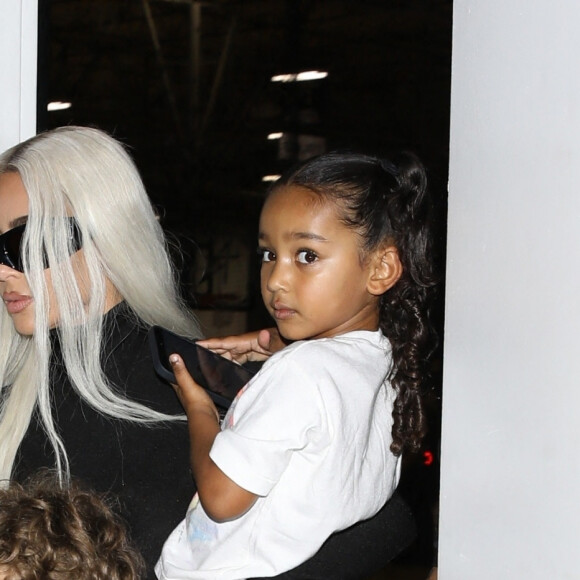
pixel 389 167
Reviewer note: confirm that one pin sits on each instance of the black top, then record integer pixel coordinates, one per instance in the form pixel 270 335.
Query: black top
pixel 363 550
pixel 146 467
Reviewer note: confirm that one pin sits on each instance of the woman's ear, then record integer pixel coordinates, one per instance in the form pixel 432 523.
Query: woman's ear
pixel 385 270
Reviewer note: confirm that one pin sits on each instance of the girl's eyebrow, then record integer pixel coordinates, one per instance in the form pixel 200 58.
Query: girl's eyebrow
pixel 309 236
pixel 300 236
pixel 19 221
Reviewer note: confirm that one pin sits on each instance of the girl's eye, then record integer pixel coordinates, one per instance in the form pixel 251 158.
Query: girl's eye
pixel 307 257
pixel 266 255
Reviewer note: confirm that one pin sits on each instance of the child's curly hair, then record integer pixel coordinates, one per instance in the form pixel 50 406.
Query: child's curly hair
pixel 54 532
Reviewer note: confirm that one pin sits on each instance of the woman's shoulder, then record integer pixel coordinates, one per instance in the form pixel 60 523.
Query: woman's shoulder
pixel 128 364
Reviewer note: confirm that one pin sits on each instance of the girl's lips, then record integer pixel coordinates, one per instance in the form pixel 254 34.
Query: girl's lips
pixel 16 303
pixel 283 313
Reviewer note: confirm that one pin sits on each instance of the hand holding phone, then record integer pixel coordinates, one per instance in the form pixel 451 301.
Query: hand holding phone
pixel 220 377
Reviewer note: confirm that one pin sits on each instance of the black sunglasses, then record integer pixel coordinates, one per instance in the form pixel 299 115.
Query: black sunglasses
pixel 11 245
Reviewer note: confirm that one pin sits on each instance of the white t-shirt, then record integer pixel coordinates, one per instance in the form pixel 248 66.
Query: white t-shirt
pixel 310 434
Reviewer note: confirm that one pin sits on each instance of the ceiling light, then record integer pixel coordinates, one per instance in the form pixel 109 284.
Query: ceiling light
pixel 272 136
pixel 271 177
pixel 58 106
pixel 309 75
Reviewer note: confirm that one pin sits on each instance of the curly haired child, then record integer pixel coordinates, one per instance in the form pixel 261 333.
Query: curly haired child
pixel 51 532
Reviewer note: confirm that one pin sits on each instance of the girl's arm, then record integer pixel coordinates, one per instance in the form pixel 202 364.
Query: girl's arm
pixel 221 498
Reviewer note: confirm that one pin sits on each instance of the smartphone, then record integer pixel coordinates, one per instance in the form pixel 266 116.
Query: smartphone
pixel 220 377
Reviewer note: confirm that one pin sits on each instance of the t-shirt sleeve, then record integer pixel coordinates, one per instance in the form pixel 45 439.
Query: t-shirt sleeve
pixel 280 412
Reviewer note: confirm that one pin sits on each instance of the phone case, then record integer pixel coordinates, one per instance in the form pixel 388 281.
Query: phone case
pixel 221 377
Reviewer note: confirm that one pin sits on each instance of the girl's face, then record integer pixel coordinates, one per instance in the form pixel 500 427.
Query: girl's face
pixel 14 288
pixel 314 282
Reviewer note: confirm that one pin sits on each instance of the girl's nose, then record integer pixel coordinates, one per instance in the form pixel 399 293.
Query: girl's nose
pixel 277 277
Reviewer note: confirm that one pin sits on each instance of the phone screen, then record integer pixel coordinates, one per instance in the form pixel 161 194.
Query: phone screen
pixel 221 377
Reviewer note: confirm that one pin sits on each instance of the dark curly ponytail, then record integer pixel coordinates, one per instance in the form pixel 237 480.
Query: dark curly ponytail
pixel 388 204
pixel 403 308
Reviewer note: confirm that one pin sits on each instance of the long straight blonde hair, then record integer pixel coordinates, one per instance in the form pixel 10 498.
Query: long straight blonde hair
pixel 86 173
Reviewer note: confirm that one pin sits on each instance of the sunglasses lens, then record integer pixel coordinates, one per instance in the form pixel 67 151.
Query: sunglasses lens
pixel 11 243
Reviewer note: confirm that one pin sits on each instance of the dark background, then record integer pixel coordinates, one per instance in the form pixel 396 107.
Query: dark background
pixel 186 86
pixel 197 121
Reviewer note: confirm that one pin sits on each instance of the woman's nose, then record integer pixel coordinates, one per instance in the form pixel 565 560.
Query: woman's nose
pixel 7 272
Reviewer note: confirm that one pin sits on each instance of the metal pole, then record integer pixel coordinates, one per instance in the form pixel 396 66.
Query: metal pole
pixel 217 81
pixel 195 75
pixel 164 74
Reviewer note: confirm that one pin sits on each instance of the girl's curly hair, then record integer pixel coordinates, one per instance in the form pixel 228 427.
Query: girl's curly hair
pixel 388 203
pixel 51 532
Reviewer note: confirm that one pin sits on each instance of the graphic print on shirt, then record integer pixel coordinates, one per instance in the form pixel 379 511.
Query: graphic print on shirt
pixel 229 418
pixel 199 529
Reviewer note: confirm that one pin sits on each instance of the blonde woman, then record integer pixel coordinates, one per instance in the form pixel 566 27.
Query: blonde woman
pixel 84 272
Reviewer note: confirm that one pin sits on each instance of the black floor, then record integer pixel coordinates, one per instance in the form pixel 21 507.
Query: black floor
pixel 401 571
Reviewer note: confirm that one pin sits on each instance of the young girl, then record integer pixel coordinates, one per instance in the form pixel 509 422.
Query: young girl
pixel 313 443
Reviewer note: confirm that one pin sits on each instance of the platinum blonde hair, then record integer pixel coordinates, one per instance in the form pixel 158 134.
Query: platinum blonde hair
pixel 86 173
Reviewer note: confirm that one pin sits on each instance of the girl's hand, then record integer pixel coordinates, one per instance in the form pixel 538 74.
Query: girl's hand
pixel 192 396
pixel 251 346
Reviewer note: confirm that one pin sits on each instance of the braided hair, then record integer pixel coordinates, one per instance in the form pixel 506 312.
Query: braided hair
pixel 387 203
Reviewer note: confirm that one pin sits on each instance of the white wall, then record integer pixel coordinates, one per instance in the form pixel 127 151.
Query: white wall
pixel 510 486
pixel 18 42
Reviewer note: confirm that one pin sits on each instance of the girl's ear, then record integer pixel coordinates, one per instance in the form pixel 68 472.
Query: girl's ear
pixel 385 270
